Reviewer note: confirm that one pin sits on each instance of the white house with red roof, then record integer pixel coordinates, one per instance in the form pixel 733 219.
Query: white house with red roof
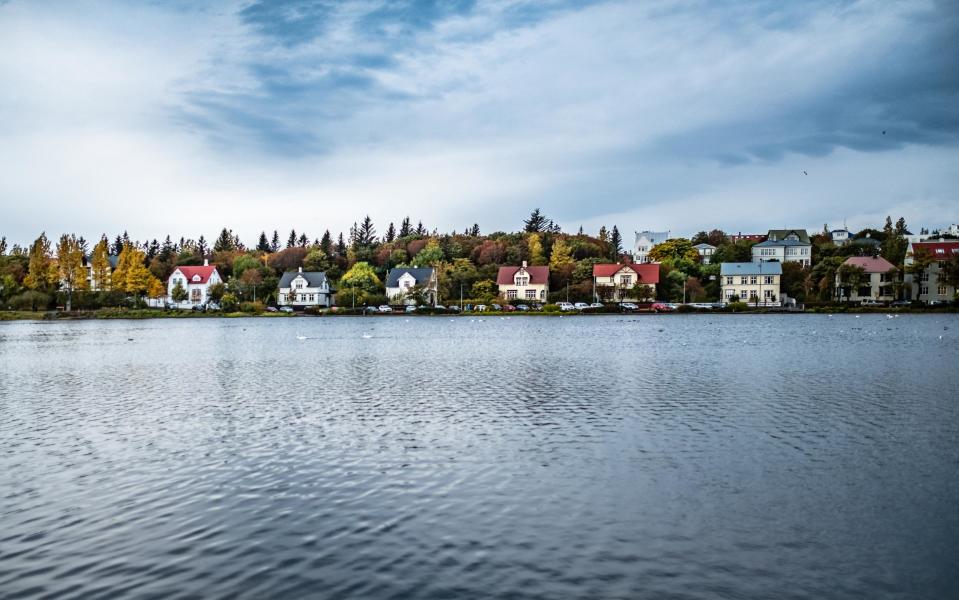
pixel 196 281
pixel 876 285
pixel 523 283
pixel 618 282
pixel 928 287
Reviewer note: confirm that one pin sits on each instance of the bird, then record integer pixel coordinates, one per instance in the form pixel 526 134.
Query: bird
pixel 884 132
pixel 805 173
pixel 301 337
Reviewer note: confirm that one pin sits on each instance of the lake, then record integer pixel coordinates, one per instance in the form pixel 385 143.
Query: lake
pixel 672 456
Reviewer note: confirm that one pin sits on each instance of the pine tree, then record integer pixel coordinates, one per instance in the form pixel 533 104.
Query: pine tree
pixel 536 222
pixel 201 246
pixel 420 230
pixel 3 246
pixel 475 231
pixel 326 243
pixel 302 241
pixel 291 240
pixel 405 230
pixel 365 233
pixel 340 245
pixel 117 246
pixel 615 244
pixel 224 243
pixel 153 250
pixel 390 233
pixel 275 242
pixel 263 245
pixel 603 236
pixel 167 250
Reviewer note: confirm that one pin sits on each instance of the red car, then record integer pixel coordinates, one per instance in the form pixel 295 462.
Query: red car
pixel 660 307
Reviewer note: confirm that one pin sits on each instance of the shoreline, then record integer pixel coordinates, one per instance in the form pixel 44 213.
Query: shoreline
pixel 142 314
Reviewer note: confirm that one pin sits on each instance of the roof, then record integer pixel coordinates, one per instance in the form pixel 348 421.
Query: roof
pixel 870 264
pixel 537 275
pixel 771 243
pixel 752 237
pixel 203 271
pixel 420 274
pixel 938 249
pixel 652 235
pixel 313 278
pixel 751 268
pixel 781 234
pixel 704 247
pixel 647 272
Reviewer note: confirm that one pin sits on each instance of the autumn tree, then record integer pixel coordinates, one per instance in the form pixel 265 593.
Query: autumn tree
pixel 42 274
pixel 71 272
pixel 561 262
pixel 131 275
pixel 430 255
pixel 535 249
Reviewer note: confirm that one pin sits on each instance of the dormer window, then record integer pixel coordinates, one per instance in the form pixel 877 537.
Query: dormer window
pixel 522 280
pixel 196 278
pixel 940 251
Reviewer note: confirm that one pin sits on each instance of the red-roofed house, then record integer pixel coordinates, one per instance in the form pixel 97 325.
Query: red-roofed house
pixel 523 282
pixel 196 281
pixel 877 284
pixel 928 287
pixel 618 282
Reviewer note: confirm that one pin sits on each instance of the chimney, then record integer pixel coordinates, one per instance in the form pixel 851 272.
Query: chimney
pixel 300 269
pixel 524 264
pixel 206 262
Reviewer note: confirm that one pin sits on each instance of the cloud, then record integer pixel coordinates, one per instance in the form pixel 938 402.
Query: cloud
pixel 678 115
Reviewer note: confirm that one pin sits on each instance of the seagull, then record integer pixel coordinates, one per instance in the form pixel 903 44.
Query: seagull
pixel 366 336
pixel 805 173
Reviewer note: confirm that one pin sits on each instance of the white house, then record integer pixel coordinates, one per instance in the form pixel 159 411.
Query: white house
pixel 784 245
pixel 747 282
pixel 523 282
pixel 196 281
pixel 840 237
pixel 705 252
pixel 401 282
pixel 309 288
pixel 645 240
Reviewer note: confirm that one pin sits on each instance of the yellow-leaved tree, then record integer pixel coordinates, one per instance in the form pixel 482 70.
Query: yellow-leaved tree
pixel 100 265
pixel 72 273
pixel 131 275
pixel 42 273
pixel 536 256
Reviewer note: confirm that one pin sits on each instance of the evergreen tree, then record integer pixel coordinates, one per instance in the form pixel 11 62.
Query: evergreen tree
pixel 365 233
pixel 3 246
pixel 153 250
pixel 475 231
pixel 340 245
pixel 326 243
pixel 390 234
pixel 302 241
pixel 275 243
pixel 263 245
pixel 166 251
pixel 291 241
pixel 616 244
pixel 420 230
pixel 536 222
pixel 201 247
pixel 405 230
pixel 117 246
pixel 224 242
pixel 603 235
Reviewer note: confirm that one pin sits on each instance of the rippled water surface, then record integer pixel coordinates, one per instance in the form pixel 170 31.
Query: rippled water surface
pixel 726 456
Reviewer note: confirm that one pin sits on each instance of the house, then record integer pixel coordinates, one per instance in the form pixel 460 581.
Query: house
pixel 305 288
pixel 751 282
pixel 617 282
pixel 876 285
pixel 927 287
pixel 402 283
pixel 705 252
pixel 840 237
pixel 196 281
pixel 523 283
pixel 784 245
pixel 645 240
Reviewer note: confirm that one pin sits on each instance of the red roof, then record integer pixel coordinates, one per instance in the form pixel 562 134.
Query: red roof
pixel 203 272
pixel 938 250
pixel 870 264
pixel 647 272
pixel 537 275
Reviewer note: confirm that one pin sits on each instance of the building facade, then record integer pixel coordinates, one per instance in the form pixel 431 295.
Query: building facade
pixel 755 283
pixel 403 283
pixel 705 252
pixel 877 283
pixel 618 282
pixel 784 245
pixel 645 240
pixel 305 288
pixel 523 283
pixel 930 286
pixel 196 281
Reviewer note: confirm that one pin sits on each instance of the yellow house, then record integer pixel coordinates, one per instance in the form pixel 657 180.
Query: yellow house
pixel 752 282
pixel 523 283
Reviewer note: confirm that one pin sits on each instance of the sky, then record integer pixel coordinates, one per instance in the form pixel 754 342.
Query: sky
pixel 172 118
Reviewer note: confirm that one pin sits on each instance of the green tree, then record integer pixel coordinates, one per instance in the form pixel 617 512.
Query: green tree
pixel 430 255
pixel 484 290
pixel 536 223
pixel 178 294
pixel 362 277
pixel 921 259
pixel 850 277
pixel 216 291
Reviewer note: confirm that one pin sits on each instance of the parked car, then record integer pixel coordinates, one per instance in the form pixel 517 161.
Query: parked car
pixel 537 306
pixel 871 302
pixel 662 307
pixel 509 308
pixel 383 308
pixel 369 310
pixel 480 308
pixel 596 305
pixel 701 305
pixel 937 303
pixel 410 308
pixel 580 306
pixel 522 307
pixel 272 309
pixel 439 307
pixel 565 306
pixel 628 306
pixel 286 309
pixel 497 307
pixel 900 303
pixel 455 309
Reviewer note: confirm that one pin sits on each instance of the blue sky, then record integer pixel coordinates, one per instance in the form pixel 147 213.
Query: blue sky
pixel 163 117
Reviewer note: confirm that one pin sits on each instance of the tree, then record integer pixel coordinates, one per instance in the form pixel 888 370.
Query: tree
pixel 225 242
pixel 178 293
pixel 405 229
pixel 302 241
pixel 72 274
pixel 921 259
pixel 536 223
pixel 535 247
pixel 41 272
pixel 475 230
pixel 215 292
pixel 263 245
pixel 316 260
pixel 484 290
pixel 361 276
pixel 603 235
pixel 156 288
pixel 291 241
pixel 390 234
pixel 430 255
pixel 3 246
pixel 674 250
pixel 850 277
pixel 561 263
pixel 275 242
pixel 365 233
pixel 615 245
pixel 201 247
pixel 131 275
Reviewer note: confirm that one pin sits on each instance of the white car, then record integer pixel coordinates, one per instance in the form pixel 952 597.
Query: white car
pixel 628 306
pixel 384 309
pixel 479 308
pixel 286 309
pixel 596 305
pixel 565 306
pixel 580 306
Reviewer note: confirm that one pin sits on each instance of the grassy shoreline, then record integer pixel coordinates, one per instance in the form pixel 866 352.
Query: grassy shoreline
pixel 139 314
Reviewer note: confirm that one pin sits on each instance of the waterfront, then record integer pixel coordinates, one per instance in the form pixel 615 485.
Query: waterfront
pixel 699 456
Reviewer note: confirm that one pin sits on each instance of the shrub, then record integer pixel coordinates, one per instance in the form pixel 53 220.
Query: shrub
pixel 551 308
pixel 737 306
pixel 30 300
pixel 228 303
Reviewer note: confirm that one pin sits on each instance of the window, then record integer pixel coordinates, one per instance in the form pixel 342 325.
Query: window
pixel 753 280
pixel 924 276
pixel 542 294
pixel 531 294
pixel 743 280
pixel 511 294
pixel 768 294
pixel 522 280
pixel 924 290
pixel 768 279
pixel 730 293
pixel 942 290
pixel 744 294
pixel 729 281
pixel 626 279
pixel 299 285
